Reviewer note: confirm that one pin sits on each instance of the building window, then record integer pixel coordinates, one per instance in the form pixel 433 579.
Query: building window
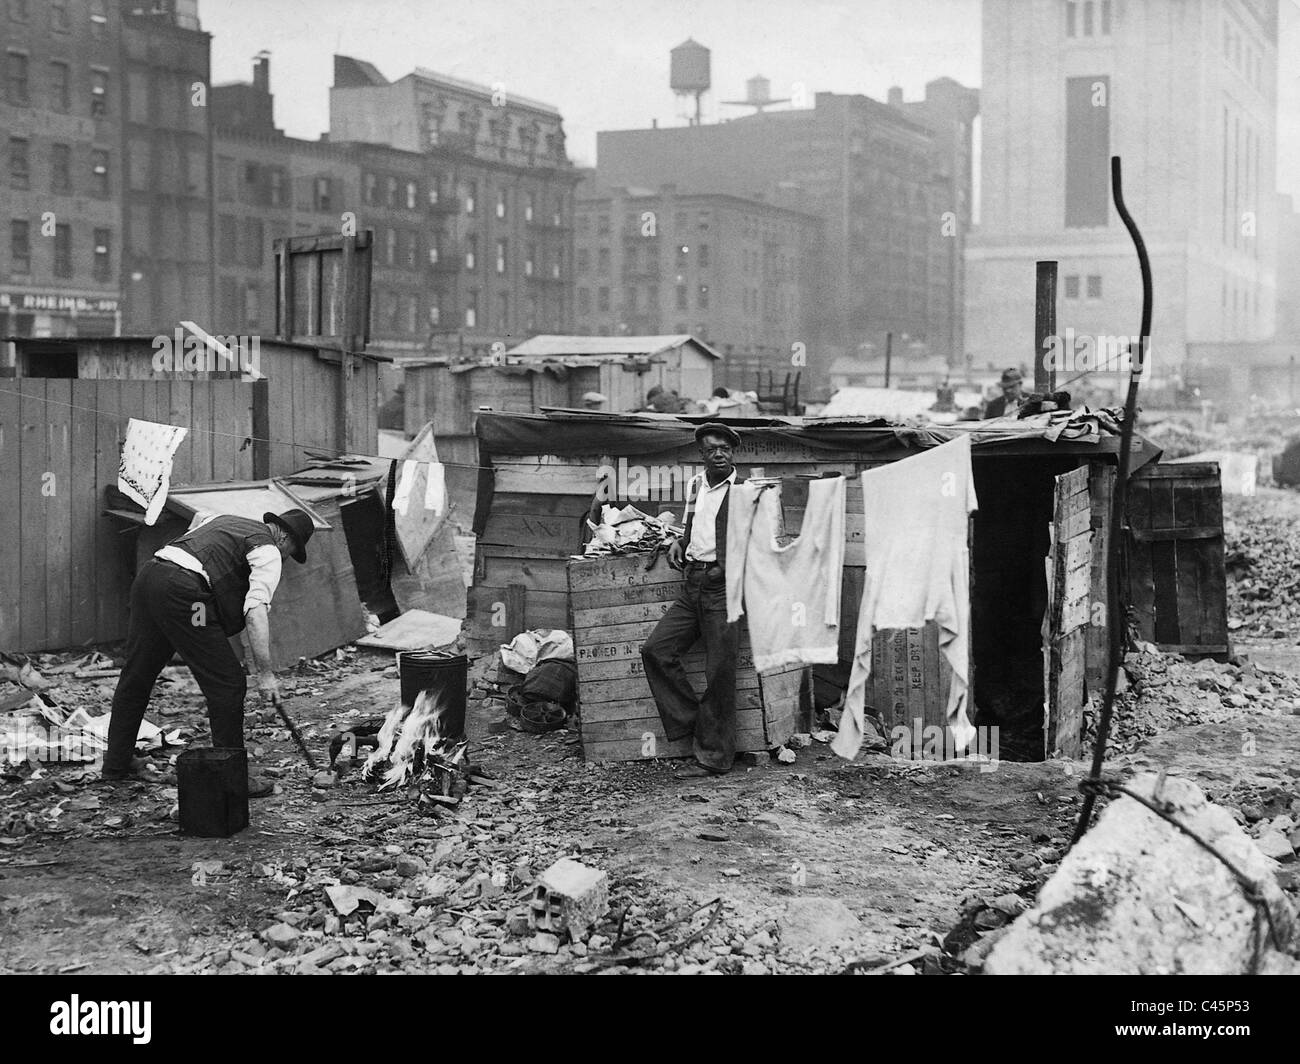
pixel 1105 18
pixel 322 194
pixel 557 216
pixel 501 203
pixel 20 174
pixel 412 197
pixel 1072 286
pixel 1071 18
pixel 471 311
pixel 681 297
pixel 103 270
pixel 528 208
pixel 435 311
pixel 683 255
pixel 434 249
pixel 704 254
pixel 227 251
pixel 584 301
pixel 98 93
pixel 471 251
pixel 503 311
pixel 602 223
pixel 1094 286
pixel 60 168
pixel 60 20
pixel 702 299
pixel 20 247
pixel 602 298
pixel 412 313
pixel 1087 151
pixel 60 87
pixel 277 187
pixel 98 19
pixel 390 189
pixel 253 237
pixel 630 295
pixel 63 251
pixel 584 260
pixel 99 174
pixel 529 256
pixel 16 82
pixel 557 264
pixel 501 256
pixel 368 185
pixel 471 192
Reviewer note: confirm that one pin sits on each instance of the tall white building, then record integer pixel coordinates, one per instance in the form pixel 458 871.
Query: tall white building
pixel 1185 92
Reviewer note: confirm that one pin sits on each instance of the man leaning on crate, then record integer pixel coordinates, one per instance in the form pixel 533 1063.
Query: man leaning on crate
pixel 189 598
pixel 700 613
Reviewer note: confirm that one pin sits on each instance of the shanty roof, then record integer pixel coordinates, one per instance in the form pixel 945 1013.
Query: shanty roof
pixel 557 346
pixel 575 433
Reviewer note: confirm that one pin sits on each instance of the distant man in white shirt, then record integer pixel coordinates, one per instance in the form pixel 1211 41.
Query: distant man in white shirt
pixel 189 598
pixel 700 613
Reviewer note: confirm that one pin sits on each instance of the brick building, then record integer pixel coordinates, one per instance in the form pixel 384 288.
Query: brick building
pixel 737 273
pixel 496 193
pixel 889 180
pixel 61 117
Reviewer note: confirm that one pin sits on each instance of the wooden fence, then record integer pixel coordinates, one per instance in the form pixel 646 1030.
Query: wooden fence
pixel 65 568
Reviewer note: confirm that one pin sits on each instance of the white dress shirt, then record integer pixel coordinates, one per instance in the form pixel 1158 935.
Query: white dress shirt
pixel 708 500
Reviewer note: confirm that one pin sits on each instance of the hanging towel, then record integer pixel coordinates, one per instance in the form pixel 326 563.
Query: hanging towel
pixel 793 591
pixel 917 570
pixel 145 471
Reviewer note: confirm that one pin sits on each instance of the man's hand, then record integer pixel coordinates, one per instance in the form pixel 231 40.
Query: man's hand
pixel 269 686
pixel 676 555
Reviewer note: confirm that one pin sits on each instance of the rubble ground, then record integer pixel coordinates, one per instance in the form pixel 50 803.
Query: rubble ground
pixel 820 865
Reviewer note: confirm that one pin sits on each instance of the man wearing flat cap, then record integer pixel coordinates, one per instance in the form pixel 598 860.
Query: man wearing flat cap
pixel 188 599
pixel 700 614
pixel 1008 403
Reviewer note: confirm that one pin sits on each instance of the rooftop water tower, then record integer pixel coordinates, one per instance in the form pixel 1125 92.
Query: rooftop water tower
pixel 758 94
pixel 689 74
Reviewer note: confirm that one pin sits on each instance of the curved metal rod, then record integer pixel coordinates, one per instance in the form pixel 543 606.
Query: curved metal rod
pixel 1119 498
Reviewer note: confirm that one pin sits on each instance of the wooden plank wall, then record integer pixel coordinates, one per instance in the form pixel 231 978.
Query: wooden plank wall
pixel 66 568
pixel 616 604
pixel 1068 613
pixel 304 408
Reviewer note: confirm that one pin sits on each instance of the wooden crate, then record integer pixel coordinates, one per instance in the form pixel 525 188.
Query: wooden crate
pixel 615 605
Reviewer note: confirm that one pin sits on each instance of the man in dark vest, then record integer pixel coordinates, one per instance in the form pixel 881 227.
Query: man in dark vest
pixel 189 598
pixel 700 612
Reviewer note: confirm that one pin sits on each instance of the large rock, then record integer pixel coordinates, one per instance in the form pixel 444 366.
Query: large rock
pixel 816 925
pixel 1137 896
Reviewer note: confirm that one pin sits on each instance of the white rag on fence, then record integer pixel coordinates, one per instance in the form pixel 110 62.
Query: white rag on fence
pixel 917 570
pixel 146 469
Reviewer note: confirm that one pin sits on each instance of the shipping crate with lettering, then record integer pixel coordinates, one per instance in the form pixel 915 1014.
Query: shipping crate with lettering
pixel 616 604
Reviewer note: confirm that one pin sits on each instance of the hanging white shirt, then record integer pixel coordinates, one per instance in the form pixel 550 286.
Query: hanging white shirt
pixel 708 500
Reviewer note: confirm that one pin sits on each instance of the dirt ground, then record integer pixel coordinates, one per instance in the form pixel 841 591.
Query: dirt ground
pixel 922 855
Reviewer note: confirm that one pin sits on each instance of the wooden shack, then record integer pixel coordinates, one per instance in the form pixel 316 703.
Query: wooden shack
pixel 65 570
pixel 1043 509
pixel 546 372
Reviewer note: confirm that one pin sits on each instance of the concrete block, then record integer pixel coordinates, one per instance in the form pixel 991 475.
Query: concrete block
pixel 569 896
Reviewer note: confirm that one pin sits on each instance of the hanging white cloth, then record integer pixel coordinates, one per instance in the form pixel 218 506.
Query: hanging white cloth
pixel 917 570
pixel 793 591
pixel 145 471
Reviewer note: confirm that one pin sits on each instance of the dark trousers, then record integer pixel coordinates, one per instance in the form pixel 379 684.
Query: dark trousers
pixel 700 611
pixel 166 603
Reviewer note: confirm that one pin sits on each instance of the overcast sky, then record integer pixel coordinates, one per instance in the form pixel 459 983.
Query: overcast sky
pixel 604 63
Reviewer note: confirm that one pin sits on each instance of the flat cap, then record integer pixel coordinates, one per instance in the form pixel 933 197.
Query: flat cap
pixel 717 428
